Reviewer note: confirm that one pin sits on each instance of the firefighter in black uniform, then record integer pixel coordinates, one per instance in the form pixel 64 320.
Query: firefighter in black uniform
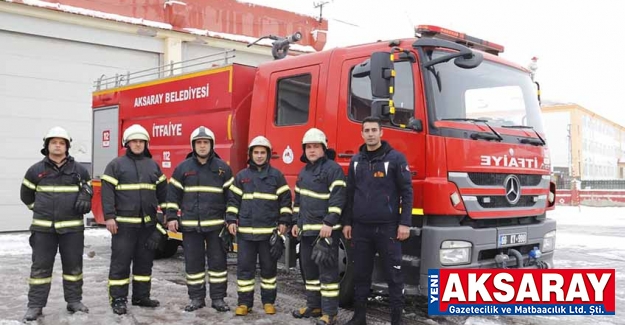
pixel 58 190
pixel 378 185
pixel 259 201
pixel 199 188
pixel 319 199
pixel 133 186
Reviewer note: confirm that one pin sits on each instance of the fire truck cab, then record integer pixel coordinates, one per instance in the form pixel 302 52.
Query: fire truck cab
pixel 468 121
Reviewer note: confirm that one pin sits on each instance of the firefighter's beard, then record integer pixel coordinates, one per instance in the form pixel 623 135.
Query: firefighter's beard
pixel 202 153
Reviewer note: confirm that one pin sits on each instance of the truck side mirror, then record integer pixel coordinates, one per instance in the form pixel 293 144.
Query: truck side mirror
pixel 380 107
pixel 382 75
pixel 415 124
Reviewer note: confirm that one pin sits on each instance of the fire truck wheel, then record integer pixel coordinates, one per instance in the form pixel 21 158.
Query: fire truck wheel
pixel 169 249
pixel 346 273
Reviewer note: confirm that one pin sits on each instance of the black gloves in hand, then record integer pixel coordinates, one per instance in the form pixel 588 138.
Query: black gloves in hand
pixel 156 239
pixel 83 202
pixel 322 252
pixel 227 239
pixel 276 242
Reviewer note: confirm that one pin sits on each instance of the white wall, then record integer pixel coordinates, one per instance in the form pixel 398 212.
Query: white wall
pixel 556 128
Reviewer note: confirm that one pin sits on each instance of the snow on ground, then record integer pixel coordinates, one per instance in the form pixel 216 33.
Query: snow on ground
pixel 587 237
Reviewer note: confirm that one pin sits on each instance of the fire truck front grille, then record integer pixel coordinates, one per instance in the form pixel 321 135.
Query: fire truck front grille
pixel 486 179
pixel 501 202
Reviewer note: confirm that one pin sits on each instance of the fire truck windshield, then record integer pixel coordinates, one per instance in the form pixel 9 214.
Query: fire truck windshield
pixel 499 94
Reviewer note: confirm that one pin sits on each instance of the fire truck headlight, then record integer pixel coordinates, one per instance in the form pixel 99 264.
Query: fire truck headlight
pixel 551 197
pixel 455 252
pixel 549 241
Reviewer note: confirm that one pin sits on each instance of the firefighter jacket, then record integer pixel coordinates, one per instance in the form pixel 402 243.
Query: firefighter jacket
pixel 133 187
pixel 51 193
pixel 259 199
pixel 200 192
pixel 319 196
pixel 378 184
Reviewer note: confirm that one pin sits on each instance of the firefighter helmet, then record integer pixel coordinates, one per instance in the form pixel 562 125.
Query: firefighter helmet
pixel 202 132
pixel 315 135
pixel 135 132
pixel 58 132
pixel 260 141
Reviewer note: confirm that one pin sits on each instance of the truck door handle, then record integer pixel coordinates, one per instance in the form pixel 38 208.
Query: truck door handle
pixel 346 154
pixel 275 155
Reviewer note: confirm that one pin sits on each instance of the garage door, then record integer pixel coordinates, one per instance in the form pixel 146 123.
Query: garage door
pixel 46 82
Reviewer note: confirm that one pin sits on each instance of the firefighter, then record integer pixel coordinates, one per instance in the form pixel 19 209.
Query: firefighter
pixel 58 190
pixel 133 186
pixel 199 188
pixel 378 186
pixel 319 199
pixel 259 201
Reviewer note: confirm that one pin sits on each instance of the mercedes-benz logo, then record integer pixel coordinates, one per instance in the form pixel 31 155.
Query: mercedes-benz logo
pixel 512 184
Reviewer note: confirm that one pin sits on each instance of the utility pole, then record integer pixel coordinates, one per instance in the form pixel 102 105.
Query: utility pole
pixel 320 6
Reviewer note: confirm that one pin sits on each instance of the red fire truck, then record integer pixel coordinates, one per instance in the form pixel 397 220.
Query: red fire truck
pixel 468 121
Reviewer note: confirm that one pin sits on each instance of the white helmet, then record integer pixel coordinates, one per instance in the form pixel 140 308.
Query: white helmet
pixel 58 132
pixel 315 135
pixel 135 132
pixel 260 141
pixel 202 132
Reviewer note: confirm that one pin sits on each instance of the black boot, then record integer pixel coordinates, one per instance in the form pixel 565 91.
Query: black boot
pixel 396 314
pixel 145 302
pixel 220 305
pixel 74 307
pixel 195 304
pixel 32 314
pixel 119 306
pixel 360 315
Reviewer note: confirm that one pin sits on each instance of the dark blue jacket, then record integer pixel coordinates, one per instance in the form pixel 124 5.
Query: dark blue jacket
pixel 259 200
pixel 133 187
pixel 319 196
pixel 377 188
pixel 51 192
pixel 200 191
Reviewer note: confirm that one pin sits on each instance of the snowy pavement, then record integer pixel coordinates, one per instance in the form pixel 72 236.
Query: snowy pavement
pixel 587 238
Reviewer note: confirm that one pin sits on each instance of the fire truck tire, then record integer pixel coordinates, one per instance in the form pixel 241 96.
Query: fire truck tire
pixel 346 273
pixel 169 249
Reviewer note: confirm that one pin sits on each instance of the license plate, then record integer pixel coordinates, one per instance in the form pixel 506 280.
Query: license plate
pixel 512 239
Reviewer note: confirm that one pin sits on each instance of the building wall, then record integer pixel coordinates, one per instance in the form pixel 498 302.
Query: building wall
pixel 49 65
pixel 46 80
pixel 596 145
pixel 558 139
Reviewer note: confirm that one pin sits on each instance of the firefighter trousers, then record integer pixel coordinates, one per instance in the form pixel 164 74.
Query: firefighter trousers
pixel 247 253
pixel 369 239
pixel 128 247
pixel 322 283
pixel 44 247
pixel 200 248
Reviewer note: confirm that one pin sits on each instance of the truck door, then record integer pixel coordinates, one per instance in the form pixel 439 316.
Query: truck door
pixel 106 140
pixel 355 105
pixel 292 100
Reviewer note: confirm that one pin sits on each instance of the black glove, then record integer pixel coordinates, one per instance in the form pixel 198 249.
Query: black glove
pixel 227 240
pixel 83 201
pixel 276 242
pixel 155 240
pixel 322 252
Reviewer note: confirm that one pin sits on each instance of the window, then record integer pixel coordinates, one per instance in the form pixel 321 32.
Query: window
pixel 360 95
pixel 293 100
pixel 500 94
